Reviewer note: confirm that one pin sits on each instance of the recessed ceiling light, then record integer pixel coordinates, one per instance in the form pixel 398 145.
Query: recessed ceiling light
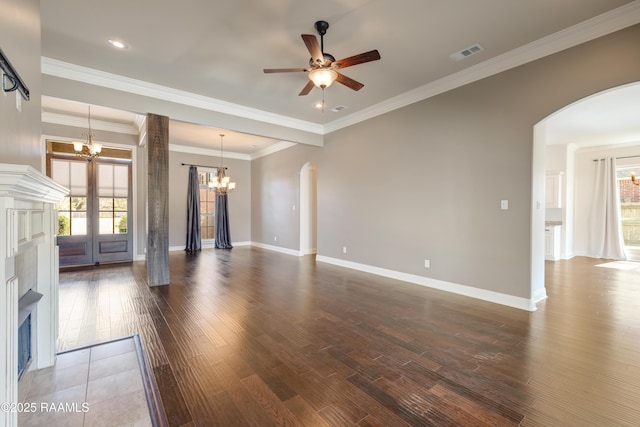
pixel 117 43
pixel 318 105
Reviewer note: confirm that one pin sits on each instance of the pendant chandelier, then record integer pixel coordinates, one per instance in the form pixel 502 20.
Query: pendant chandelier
pixel 89 150
pixel 220 182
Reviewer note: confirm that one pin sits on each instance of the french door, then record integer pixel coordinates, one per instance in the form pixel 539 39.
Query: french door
pixel 94 220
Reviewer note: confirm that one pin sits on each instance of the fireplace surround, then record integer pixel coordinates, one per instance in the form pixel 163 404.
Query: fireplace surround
pixel 28 270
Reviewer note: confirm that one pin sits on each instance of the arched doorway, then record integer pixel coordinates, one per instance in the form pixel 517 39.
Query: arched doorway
pixel 308 209
pixel 608 115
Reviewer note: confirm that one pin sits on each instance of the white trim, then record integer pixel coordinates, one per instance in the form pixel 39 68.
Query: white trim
pixel 482 294
pixel 207 152
pixel 282 145
pixel 539 295
pixel 277 249
pixel 65 70
pixel 590 29
pixel 599 26
pixel 80 122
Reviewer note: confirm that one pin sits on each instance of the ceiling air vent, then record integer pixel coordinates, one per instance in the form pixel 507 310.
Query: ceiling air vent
pixel 339 108
pixel 464 53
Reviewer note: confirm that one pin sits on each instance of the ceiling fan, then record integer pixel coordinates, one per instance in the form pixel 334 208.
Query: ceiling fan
pixel 323 67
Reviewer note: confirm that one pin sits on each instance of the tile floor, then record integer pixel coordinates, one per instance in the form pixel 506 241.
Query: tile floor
pixel 96 386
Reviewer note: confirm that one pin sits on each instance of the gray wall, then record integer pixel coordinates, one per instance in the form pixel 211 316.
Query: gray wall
pixel 239 200
pixel 275 190
pixel 20 42
pixel 425 181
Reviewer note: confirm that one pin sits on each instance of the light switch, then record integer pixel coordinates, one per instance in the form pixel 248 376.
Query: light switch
pixel 504 205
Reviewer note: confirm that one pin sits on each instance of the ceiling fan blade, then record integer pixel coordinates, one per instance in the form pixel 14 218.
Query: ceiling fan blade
pixel 314 48
pixel 305 90
pixel 349 82
pixel 283 70
pixel 372 55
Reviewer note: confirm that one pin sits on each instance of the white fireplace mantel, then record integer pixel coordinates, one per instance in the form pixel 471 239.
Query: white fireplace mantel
pixel 28 225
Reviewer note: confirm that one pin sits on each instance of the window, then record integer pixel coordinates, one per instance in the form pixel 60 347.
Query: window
pixel 629 206
pixel 72 210
pixel 113 191
pixel 207 206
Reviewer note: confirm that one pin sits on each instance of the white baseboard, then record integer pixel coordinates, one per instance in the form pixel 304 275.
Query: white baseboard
pixel 482 294
pixel 277 249
pixel 469 291
pixel 539 295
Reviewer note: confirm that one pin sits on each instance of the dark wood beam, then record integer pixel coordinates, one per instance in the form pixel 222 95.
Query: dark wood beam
pixel 158 200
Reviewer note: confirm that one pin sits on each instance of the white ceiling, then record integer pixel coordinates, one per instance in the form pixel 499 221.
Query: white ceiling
pixel 218 49
pixel 608 118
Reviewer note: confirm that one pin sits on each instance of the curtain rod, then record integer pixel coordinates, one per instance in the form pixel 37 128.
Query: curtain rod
pixel 623 157
pixel 202 166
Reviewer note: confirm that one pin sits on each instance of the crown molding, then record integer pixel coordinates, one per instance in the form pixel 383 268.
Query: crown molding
pixel 282 145
pixel 65 70
pixel 207 152
pixel 25 183
pixel 599 26
pixel 80 122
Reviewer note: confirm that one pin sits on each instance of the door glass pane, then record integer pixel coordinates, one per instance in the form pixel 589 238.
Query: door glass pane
pixel 79 178
pixel 120 204
pixel 105 204
pixel 106 223
pixel 78 203
pixel 64 204
pixel 71 174
pixel 207 206
pixel 120 223
pixel 113 180
pixel 72 216
pixel 78 223
pixel 60 172
pixel 630 205
pixel 64 224
pixel 113 215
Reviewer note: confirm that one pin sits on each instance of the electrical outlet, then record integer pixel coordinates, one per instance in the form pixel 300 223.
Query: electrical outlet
pixel 275 238
pixel 504 205
pixel 427 263
pixel 344 249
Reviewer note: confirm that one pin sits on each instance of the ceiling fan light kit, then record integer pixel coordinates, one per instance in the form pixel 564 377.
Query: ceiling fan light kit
pixel 323 66
pixel 323 77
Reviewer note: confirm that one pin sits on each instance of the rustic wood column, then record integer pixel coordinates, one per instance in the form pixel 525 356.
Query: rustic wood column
pixel 158 200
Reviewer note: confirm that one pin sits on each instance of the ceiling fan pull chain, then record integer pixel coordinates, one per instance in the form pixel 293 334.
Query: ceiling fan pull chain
pixel 323 100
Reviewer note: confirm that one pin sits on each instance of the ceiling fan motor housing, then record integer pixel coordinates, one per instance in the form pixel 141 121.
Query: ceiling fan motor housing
pixel 321 27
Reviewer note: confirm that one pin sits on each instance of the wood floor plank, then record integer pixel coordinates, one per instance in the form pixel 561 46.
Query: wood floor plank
pixel 253 337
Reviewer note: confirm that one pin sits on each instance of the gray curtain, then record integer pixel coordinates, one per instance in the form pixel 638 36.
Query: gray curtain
pixel 223 237
pixel 194 237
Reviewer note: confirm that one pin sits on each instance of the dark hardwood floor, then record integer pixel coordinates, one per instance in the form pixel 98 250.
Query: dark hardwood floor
pixel 252 337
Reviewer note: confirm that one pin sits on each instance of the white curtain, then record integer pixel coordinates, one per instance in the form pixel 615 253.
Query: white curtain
pixel 605 231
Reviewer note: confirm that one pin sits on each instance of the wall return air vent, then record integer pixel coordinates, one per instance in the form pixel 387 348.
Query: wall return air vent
pixel 465 53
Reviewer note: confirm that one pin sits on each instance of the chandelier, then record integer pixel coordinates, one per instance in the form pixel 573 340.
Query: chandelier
pixel 220 182
pixel 89 150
